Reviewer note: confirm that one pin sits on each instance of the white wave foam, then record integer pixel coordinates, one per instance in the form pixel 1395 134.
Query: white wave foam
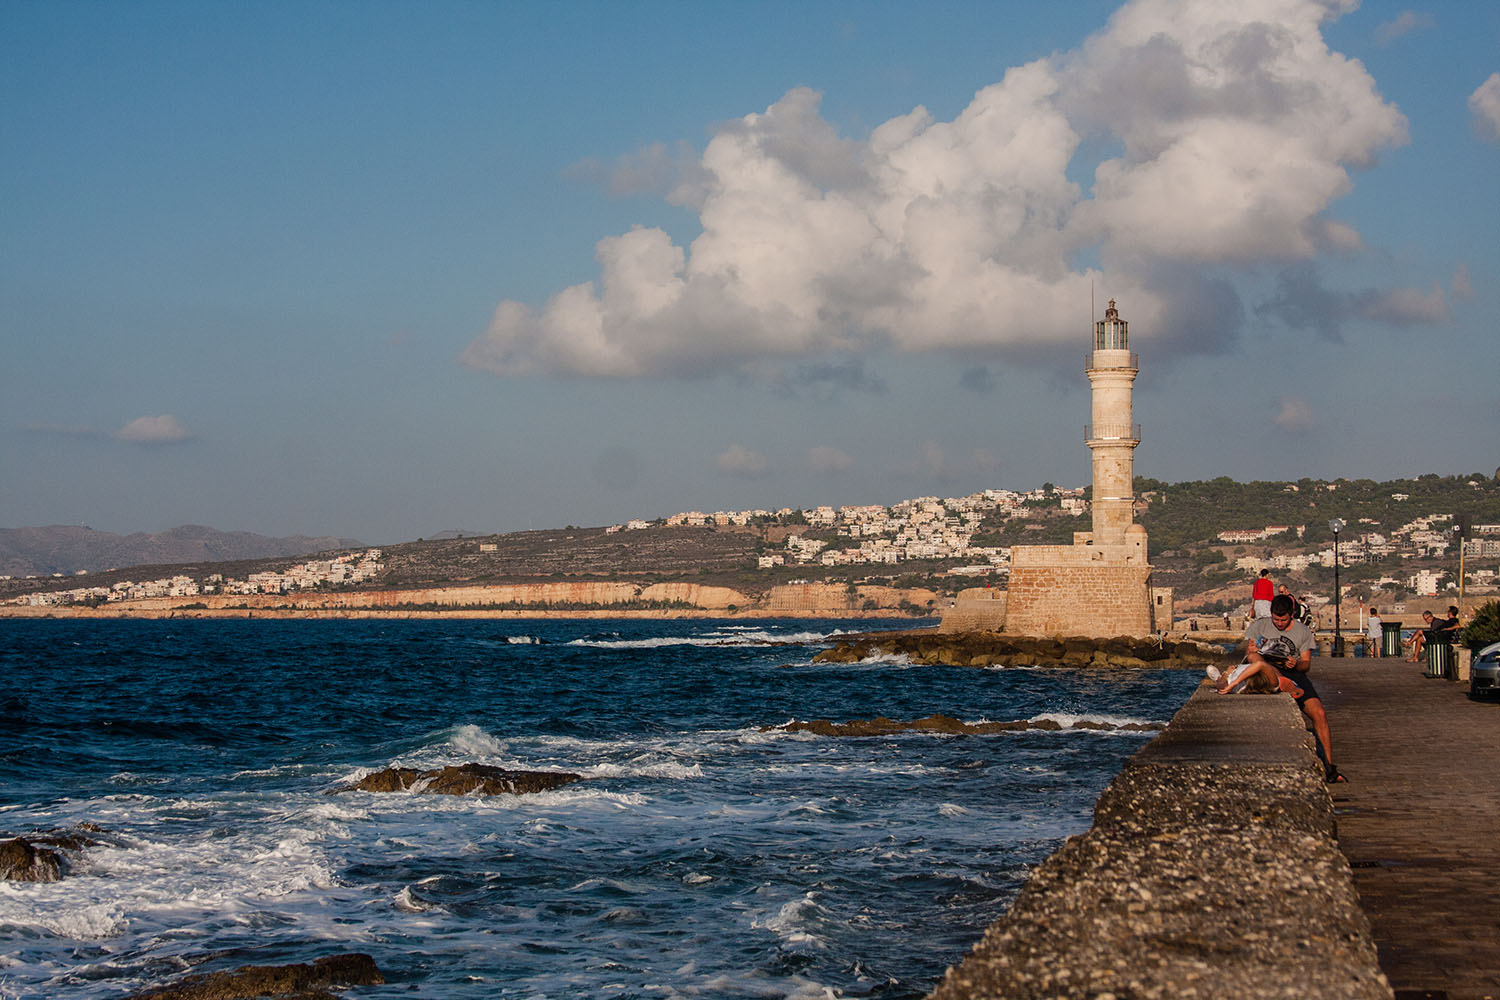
pixel 887 660
pixel 637 769
pixel 131 778
pixel 407 903
pixel 950 810
pixel 750 737
pixel 469 738
pixel 757 637
pixel 92 922
pixel 794 921
pixel 569 796
pixel 1067 719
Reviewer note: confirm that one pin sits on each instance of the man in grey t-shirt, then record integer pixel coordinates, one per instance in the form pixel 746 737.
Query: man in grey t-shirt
pixel 1286 644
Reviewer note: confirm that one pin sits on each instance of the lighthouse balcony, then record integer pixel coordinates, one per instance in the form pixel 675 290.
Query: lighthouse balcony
pixel 1112 434
pixel 1104 360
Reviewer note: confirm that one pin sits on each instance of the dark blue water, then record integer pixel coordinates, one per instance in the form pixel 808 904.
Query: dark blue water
pixel 700 857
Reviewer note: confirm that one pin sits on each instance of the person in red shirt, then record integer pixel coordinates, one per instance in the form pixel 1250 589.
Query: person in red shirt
pixel 1261 592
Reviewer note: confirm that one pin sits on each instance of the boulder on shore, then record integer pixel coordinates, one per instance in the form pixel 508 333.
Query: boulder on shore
pixel 463 779
pixel 997 649
pixel 292 982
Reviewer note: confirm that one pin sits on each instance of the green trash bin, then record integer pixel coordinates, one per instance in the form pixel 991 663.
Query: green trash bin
pixel 1390 638
pixel 1439 659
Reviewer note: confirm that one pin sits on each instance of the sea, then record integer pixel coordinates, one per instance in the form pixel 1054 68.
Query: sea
pixel 707 852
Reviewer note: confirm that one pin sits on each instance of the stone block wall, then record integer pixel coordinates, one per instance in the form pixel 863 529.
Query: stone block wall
pixel 1163 608
pixel 976 609
pixel 1077 590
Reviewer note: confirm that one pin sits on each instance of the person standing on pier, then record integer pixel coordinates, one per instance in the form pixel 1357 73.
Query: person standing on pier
pixel 1286 644
pixel 1261 592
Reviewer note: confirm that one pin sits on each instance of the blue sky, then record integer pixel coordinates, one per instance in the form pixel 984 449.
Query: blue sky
pixel 387 269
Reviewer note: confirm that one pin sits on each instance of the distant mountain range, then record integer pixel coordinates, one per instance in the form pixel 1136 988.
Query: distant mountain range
pixel 66 548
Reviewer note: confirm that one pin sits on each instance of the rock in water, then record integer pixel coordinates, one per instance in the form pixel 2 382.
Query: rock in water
pixel 20 862
pixel 982 649
pixel 299 981
pixel 464 779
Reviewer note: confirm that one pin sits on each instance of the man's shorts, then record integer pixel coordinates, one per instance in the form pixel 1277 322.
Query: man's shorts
pixel 1302 681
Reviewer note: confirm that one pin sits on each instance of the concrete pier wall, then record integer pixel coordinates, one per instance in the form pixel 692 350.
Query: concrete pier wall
pixel 1211 870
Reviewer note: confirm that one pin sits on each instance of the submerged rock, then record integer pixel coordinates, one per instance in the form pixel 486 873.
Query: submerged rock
pixel 21 862
pixel 74 839
pixel 300 981
pixel 464 779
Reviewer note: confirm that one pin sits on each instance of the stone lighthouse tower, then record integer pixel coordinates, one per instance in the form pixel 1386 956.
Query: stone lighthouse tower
pixel 1101 584
pixel 1111 435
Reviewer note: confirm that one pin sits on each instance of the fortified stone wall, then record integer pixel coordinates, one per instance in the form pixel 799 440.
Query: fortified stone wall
pixel 1077 590
pixel 976 609
pixel 1163 608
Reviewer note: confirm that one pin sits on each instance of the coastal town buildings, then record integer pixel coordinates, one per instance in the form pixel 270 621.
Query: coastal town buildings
pixel 344 570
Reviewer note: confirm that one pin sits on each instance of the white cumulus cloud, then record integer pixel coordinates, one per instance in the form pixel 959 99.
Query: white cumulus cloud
pixel 1403 24
pixel 165 429
pixel 1231 129
pixel 1484 105
pixel 824 458
pixel 737 460
pixel 1294 415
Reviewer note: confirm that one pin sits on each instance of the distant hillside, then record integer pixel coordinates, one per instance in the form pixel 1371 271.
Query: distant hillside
pixel 61 548
pixel 1181 515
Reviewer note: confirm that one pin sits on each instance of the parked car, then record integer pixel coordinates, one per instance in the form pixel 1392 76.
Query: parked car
pixel 1484 671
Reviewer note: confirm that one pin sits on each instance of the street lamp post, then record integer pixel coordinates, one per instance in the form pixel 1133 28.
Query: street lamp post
pixel 1336 525
pixel 1461 532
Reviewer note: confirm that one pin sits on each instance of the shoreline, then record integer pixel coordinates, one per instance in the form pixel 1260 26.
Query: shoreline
pixel 568 599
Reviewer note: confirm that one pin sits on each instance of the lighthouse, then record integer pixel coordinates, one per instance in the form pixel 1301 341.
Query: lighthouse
pixel 1101 584
pixel 1111 435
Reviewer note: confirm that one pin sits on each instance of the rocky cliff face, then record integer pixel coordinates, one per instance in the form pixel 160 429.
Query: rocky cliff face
pixel 542 598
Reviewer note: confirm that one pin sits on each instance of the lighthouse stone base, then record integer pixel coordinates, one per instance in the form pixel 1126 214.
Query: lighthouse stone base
pixel 1083 589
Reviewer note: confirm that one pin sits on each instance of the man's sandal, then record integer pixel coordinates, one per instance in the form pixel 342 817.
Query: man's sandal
pixel 1332 776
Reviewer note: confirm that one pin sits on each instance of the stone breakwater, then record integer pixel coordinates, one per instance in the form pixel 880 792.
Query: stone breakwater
pixel 991 649
pixel 1211 870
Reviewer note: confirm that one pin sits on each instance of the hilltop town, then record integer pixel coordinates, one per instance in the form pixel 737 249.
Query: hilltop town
pixel 1402 539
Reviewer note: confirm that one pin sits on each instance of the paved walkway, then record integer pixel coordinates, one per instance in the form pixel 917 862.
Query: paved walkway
pixel 1419 821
